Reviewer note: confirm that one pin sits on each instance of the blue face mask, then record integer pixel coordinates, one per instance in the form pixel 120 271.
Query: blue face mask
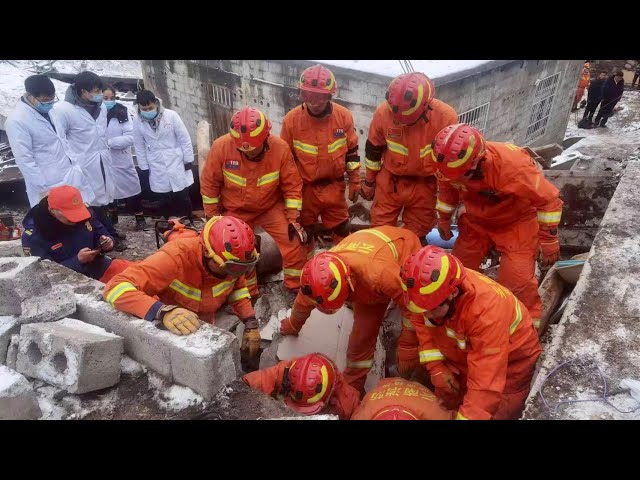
pixel 97 98
pixel 110 104
pixel 150 115
pixel 43 107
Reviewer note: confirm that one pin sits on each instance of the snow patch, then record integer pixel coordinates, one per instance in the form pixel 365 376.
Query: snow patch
pixel 393 68
pixel 175 397
pixel 86 327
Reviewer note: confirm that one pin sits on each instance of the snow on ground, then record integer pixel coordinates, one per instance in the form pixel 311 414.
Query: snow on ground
pixel 107 68
pixel 175 397
pixel 393 68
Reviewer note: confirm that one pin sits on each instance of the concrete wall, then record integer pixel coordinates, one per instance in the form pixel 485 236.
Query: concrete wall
pixel 271 86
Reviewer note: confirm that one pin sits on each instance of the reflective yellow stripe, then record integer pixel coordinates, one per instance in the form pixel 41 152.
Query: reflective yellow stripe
pixel 360 364
pixel 372 165
pixel 210 200
pixel 549 217
pixel 186 290
pixel 517 319
pixel 383 237
pixel 511 146
pixel 353 165
pixel 268 178
pixel 305 147
pixel 397 148
pixel 341 142
pixel 462 343
pixel 444 207
pixel 427 356
pixel 118 290
pixel 461 417
pixel 406 323
pixel 292 272
pixel 293 203
pixel 238 295
pixel 426 150
pixel 221 288
pixel 252 281
pixel 233 178
pixel 536 323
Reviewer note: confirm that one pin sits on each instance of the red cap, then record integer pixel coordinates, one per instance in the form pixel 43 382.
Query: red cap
pixel 68 200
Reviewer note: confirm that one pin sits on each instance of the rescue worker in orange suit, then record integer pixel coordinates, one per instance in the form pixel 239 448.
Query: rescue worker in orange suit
pixel 324 143
pixel 365 269
pixel 400 399
pixel 251 175
pixel 507 204
pixel 585 80
pixel 189 279
pixel 477 339
pixel 399 174
pixel 309 385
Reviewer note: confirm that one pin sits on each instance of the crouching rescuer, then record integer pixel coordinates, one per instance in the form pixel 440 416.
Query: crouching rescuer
pixel 189 279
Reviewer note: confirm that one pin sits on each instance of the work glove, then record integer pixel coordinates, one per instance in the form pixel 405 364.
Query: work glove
pixel 444 229
pixel 354 190
pixel 549 246
pixel 295 229
pixel 250 340
pixel 443 379
pixel 368 189
pixel 179 321
pixel 288 327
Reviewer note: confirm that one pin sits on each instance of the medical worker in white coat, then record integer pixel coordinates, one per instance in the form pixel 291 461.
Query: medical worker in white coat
pixel 37 149
pixel 126 183
pixel 163 147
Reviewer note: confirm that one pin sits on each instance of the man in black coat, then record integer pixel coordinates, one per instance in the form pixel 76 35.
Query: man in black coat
pixel 611 94
pixel 594 95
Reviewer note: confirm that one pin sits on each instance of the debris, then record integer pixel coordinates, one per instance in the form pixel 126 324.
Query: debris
pixel 17 398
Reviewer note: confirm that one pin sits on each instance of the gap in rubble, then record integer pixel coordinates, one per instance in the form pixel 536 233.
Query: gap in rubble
pixel 60 362
pixel 34 353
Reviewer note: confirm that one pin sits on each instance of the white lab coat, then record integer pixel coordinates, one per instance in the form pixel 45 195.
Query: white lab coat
pixel 40 155
pixel 164 152
pixel 125 177
pixel 85 141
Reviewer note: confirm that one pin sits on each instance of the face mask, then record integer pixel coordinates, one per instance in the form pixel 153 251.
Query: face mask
pixel 110 104
pixel 150 115
pixel 44 107
pixel 97 98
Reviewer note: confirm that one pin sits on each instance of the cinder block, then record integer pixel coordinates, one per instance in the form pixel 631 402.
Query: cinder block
pixel 8 327
pixel 21 278
pixel 17 399
pixel 203 361
pixel 70 354
pixel 11 248
pixel 58 303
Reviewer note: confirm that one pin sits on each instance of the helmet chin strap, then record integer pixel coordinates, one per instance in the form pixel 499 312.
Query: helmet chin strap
pixel 258 157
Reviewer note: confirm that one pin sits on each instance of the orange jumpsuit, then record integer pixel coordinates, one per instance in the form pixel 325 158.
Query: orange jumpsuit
pixel 374 257
pixel 324 148
pixel 585 80
pixel 505 203
pixel 491 346
pixel 401 154
pixel 343 400
pixel 265 193
pixel 418 400
pixel 176 275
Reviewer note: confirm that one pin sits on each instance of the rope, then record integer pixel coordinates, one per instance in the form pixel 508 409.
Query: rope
pixel 603 398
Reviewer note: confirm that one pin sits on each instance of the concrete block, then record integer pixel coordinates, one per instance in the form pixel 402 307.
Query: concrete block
pixel 12 351
pixel 11 248
pixel 56 304
pixel 17 399
pixel 70 354
pixel 203 361
pixel 8 327
pixel 20 279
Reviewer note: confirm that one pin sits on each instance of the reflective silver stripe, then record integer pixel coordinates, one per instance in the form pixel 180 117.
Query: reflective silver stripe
pixel 360 364
pixel 430 355
pixel 406 323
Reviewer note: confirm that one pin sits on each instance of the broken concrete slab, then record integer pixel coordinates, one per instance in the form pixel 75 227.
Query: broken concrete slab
pixel 11 248
pixel 226 321
pixel 9 326
pixel 21 278
pixel 12 351
pixel 70 354
pixel 56 304
pixel 329 334
pixel 17 399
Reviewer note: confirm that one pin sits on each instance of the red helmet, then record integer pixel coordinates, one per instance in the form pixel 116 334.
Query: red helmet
pixel 311 383
pixel 587 65
pixel 429 276
pixel 249 128
pixel 395 412
pixel 230 243
pixel 325 280
pixel 318 79
pixel 408 96
pixel 457 149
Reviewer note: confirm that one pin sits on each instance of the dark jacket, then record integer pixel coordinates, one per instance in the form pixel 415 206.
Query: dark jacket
pixel 595 90
pixel 612 91
pixel 47 238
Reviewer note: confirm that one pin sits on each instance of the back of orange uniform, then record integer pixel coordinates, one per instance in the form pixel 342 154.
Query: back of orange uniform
pixel 401 155
pixel 176 275
pixel 415 400
pixel 343 401
pixel 490 341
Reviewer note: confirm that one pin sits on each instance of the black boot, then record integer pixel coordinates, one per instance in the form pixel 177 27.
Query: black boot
pixel 113 216
pixel 141 223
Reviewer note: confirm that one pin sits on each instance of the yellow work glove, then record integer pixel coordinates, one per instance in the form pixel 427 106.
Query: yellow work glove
pixel 250 346
pixel 181 321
